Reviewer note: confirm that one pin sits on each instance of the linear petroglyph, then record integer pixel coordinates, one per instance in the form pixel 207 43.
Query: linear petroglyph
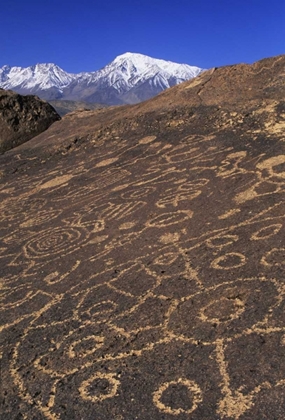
pixel 142 270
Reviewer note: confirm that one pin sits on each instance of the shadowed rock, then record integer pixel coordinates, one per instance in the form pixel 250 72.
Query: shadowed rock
pixel 142 257
pixel 22 118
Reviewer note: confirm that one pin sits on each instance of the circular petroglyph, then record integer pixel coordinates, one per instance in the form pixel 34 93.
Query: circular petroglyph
pixel 99 387
pixel 230 165
pixel 173 198
pixel 98 225
pixel 224 310
pixel 183 153
pixel 166 403
pixel 266 232
pixel 229 261
pixel 52 277
pixel 101 308
pixel 265 188
pixel 274 166
pixel 54 241
pixel 168 219
pixel 275 257
pixel 85 346
pixel 221 241
pixel 193 185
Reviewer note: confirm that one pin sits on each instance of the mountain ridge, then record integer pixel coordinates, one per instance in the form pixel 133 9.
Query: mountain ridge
pixel 129 78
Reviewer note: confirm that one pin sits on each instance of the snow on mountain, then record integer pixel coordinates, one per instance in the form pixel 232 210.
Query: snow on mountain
pixel 129 78
pixel 40 76
pixel 129 69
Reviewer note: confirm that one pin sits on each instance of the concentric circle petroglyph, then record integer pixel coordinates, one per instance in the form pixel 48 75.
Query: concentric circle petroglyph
pixel 224 310
pixel 54 242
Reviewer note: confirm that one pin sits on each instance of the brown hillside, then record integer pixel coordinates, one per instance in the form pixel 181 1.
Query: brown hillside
pixel 142 257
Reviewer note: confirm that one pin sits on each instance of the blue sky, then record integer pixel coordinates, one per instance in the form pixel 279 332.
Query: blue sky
pixel 85 35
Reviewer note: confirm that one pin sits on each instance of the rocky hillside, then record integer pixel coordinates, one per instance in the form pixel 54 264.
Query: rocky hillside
pixel 65 107
pixel 21 118
pixel 142 257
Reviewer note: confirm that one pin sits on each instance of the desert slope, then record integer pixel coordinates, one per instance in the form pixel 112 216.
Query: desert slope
pixel 142 257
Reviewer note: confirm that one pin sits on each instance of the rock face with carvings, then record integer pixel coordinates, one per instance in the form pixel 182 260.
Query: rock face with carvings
pixel 22 117
pixel 142 257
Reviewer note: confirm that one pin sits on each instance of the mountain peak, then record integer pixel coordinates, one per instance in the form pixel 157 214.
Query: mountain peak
pixel 129 55
pixel 129 78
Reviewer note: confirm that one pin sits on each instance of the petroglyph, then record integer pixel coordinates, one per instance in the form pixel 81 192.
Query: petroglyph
pixel 142 275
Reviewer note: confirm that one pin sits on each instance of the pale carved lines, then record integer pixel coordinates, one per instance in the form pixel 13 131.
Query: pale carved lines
pixel 119 307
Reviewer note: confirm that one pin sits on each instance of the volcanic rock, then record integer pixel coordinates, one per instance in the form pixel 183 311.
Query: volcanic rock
pixel 22 118
pixel 142 257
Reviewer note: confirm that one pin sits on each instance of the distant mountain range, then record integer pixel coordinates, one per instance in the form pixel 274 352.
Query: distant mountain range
pixel 129 79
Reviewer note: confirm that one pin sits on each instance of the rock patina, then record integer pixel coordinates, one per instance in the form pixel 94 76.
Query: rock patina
pixel 142 257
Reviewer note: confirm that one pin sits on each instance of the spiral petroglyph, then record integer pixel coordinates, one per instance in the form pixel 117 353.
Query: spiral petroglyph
pixel 54 242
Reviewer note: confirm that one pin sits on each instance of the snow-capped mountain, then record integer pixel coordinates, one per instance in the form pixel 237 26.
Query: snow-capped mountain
pixel 41 78
pixel 130 78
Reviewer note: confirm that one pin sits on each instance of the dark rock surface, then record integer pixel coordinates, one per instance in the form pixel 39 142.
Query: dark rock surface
pixel 142 257
pixel 22 118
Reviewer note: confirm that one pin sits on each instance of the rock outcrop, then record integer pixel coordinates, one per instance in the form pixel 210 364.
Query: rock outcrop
pixel 22 118
pixel 142 257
